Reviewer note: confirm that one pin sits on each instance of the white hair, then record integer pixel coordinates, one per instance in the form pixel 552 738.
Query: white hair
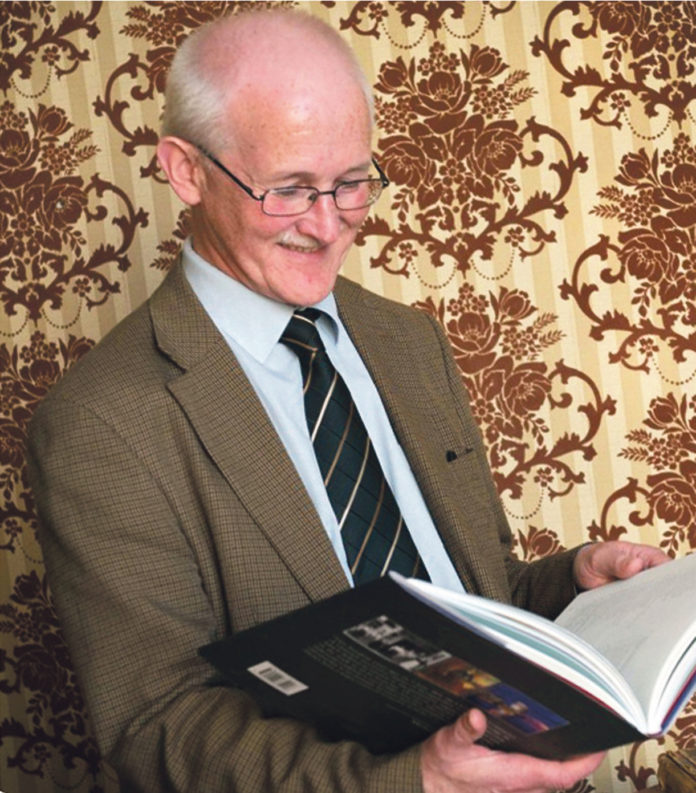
pixel 193 102
pixel 196 99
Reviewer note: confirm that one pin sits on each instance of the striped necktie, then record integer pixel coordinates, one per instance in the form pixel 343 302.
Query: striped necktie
pixel 374 534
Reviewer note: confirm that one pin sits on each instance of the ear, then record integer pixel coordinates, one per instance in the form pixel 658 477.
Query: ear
pixel 180 160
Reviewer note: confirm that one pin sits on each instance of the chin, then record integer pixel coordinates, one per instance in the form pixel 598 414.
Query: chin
pixel 307 297
pixel 308 293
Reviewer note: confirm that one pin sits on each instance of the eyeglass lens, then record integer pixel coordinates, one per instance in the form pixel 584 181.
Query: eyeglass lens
pixel 296 200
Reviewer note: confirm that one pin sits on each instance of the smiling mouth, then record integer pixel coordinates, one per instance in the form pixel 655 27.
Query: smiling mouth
pixel 310 248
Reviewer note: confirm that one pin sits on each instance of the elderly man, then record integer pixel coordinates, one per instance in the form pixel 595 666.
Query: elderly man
pixel 181 494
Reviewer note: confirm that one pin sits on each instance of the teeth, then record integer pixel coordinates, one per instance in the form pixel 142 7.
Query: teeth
pixel 300 248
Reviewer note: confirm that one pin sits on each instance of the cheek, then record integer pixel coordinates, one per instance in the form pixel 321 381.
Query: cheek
pixel 255 239
pixel 352 226
pixel 357 218
pixel 271 229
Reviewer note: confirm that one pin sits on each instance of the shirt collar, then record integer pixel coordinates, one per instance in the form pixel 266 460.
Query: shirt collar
pixel 253 321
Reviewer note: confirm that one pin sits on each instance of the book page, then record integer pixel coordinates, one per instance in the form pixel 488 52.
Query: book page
pixel 645 626
pixel 537 639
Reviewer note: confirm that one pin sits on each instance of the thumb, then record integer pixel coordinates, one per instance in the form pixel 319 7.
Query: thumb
pixel 469 727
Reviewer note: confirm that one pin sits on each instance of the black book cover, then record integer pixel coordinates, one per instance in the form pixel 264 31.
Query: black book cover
pixel 377 665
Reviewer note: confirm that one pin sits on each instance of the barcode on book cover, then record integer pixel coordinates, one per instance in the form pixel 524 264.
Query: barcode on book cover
pixel 275 677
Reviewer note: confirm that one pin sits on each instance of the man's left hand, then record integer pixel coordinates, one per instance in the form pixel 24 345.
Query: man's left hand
pixel 602 562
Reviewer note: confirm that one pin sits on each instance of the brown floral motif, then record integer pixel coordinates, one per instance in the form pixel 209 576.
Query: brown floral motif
pixel 35 664
pixel 164 25
pixel 605 529
pixel 452 154
pixel 32 29
pixel 169 249
pixel 370 18
pixel 375 15
pixel 648 52
pixel 39 666
pixel 496 341
pixel 684 730
pixel 668 446
pixel 26 374
pixel 537 543
pixel 44 206
pixel 641 776
pixel 655 255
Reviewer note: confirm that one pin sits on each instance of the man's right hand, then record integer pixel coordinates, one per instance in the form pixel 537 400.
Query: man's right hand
pixel 452 762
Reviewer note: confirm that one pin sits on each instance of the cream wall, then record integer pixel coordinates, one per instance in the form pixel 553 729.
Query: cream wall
pixel 543 206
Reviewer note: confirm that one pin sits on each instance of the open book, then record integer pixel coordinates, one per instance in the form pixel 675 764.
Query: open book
pixel 390 662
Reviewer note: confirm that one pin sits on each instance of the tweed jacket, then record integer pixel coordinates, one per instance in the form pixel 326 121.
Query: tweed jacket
pixel 171 515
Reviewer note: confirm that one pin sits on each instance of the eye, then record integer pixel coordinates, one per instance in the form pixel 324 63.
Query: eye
pixel 289 192
pixel 351 187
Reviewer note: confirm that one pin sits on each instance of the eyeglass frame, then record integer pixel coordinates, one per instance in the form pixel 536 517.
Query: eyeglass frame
pixel 249 191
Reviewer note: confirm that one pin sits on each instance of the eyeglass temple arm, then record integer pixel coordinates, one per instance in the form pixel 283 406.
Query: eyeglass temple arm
pixel 217 162
pixel 382 175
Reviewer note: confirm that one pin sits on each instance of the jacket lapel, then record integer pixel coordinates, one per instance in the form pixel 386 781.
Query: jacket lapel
pixel 246 450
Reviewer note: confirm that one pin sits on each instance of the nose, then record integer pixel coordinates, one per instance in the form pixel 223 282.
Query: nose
pixel 322 220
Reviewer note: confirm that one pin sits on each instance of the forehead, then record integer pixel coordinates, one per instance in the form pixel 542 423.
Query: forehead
pixel 309 131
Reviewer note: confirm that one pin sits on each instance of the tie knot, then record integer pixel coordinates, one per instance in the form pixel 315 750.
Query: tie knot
pixel 301 334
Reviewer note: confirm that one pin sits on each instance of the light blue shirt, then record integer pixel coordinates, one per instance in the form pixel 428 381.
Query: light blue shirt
pixel 252 325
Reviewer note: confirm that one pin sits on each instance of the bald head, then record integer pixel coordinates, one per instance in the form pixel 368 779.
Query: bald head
pixel 230 71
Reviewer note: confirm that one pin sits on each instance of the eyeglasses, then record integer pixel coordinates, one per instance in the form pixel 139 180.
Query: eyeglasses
pixel 295 200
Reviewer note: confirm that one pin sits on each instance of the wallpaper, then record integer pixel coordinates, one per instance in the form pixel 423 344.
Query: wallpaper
pixel 542 207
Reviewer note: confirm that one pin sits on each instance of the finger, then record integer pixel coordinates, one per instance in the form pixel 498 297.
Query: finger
pixel 579 768
pixel 653 557
pixel 469 727
pixel 628 567
pixel 639 558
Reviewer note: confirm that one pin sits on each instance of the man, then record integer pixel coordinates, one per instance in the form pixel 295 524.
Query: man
pixel 173 469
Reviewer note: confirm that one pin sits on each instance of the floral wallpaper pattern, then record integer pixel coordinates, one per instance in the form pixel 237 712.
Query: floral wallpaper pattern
pixel 542 208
